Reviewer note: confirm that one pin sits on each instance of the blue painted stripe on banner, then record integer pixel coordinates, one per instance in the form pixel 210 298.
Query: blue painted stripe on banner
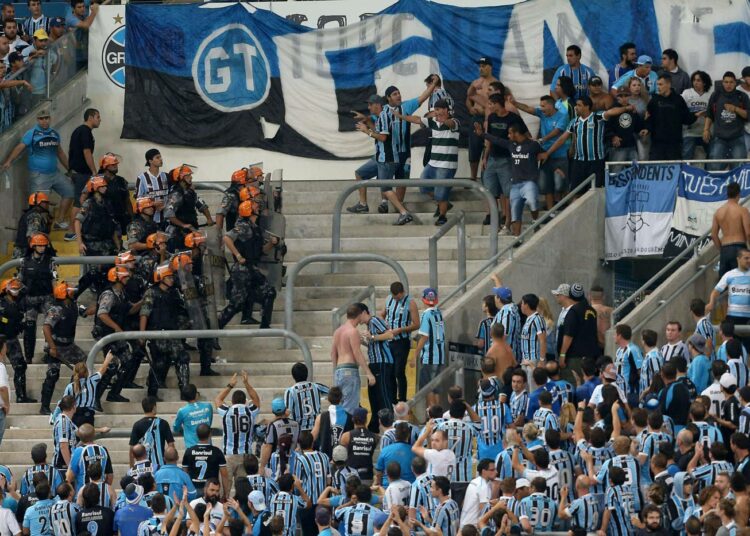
pixel 732 37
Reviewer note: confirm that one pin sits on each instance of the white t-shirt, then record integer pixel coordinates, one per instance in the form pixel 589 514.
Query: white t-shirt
pixel 8 523
pixel 396 494
pixel 713 392
pixel 597 398
pixel 4 382
pixel 440 462
pixel 477 493
pixel 696 103
pixel 552 477
pixel 217 512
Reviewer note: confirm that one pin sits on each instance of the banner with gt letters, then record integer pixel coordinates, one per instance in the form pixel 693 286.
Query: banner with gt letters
pixel 236 75
pixel 654 209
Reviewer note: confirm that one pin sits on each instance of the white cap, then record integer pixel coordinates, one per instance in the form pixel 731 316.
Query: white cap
pixel 523 483
pixel 257 499
pixel 727 380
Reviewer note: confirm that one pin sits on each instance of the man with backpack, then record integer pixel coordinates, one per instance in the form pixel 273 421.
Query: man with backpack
pixel 152 432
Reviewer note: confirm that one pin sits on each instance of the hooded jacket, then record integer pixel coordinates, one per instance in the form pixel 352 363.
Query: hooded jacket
pixel 678 503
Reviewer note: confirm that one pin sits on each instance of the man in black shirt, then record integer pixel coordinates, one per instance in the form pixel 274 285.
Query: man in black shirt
pixel 92 513
pixel 152 432
pixel 666 113
pixel 622 132
pixel 580 336
pixel 81 158
pixel 203 461
pixel 360 443
pixel 674 399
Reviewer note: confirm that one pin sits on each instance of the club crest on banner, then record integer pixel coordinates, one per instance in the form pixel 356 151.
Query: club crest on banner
pixel 113 57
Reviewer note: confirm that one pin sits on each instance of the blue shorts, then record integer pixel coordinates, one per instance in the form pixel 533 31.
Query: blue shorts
pixel 427 373
pixel 368 170
pixel 496 177
pixel 442 193
pixel 44 182
pixel 523 192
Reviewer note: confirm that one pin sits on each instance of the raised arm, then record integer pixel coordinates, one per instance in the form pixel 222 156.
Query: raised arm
pixel 251 392
pixel 219 400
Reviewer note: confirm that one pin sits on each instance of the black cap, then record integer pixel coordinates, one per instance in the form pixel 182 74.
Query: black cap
pixel 485 60
pixel 150 154
pixel 595 80
pixel 746 72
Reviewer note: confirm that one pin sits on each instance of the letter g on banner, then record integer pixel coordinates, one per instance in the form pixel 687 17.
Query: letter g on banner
pixel 230 70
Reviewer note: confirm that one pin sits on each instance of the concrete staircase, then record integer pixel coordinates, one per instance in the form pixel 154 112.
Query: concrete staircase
pixel 308 207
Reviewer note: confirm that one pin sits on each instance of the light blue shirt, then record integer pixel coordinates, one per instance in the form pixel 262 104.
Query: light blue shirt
pixel 737 283
pixel 699 371
pixel 42 145
pixel 649 81
pixel 189 417
pixel 560 121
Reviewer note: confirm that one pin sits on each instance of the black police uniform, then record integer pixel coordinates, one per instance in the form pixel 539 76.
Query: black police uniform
pixel 37 273
pixel 98 227
pixel 11 325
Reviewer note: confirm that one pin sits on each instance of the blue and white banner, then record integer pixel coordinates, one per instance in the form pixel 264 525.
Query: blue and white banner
pixel 699 194
pixel 639 206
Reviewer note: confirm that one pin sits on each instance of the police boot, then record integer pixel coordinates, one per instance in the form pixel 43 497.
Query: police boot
pixel 29 341
pixel 265 319
pixel 226 315
pixel 247 314
pixel 206 347
pixel 19 380
pixel 216 345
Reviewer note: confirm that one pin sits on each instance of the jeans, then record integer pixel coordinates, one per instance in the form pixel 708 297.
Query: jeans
pixel 496 176
pixel 441 193
pixel 347 378
pixel 689 144
pixel 621 154
pixel 44 182
pixel 726 149
pixel 523 192
pixel 400 351
pixel 2 425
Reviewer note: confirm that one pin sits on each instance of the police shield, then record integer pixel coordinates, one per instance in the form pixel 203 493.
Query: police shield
pixel 214 266
pixel 191 296
pixel 273 225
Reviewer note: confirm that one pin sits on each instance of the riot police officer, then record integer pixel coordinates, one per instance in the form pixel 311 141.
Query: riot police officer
pixel 142 225
pixel 117 190
pixel 37 273
pixel 59 332
pixel 97 233
pixel 227 212
pixel 35 219
pixel 246 243
pixel 11 325
pixel 135 288
pixel 155 255
pixel 161 310
pixel 112 311
pixel 183 204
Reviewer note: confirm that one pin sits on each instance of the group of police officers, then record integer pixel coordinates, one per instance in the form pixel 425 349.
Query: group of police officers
pixel 156 281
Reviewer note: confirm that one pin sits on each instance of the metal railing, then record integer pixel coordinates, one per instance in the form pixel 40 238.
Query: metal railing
pixel 458 220
pixel 412 183
pixel 202 334
pixel 493 261
pixel 331 257
pixel 693 249
pixel 60 261
pixel 420 396
pixel 364 294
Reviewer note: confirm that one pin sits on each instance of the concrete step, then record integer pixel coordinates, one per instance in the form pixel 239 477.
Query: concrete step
pixel 384 228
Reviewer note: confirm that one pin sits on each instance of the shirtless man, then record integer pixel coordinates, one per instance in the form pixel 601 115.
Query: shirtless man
pixel 347 357
pixel 601 99
pixel 500 350
pixel 733 220
pixel 603 313
pixel 476 97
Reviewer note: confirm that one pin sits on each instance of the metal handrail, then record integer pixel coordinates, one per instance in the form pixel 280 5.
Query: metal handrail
pixel 421 395
pixel 663 303
pixel 338 312
pixel 492 261
pixel 331 257
pixel 60 261
pixel 202 334
pixel 671 162
pixel 412 183
pixel 458 219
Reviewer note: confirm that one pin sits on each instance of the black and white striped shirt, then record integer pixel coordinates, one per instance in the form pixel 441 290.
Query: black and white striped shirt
pixel 238 422
pixel 313 469
pixel 31 25
pixel 63 515
pixel 670 351
pixel 154 186
pixel 397 314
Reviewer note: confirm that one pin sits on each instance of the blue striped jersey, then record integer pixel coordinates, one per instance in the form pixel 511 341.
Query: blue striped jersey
pixel 378 351
pixel 313 469
pixel 152 441
pixel 722 355
pixel 510 318
pixel 589 136
pixel 383 125
pixel 31 25
pixel 739 370
pixel 397 314
pixel 64 431
pixel 461 436
pixel 540 510
pixel 340 476
pixel 84 456
pixel 564 391
pixel 494 417
pixel 545 419
pixel 562 460
pixel 436 95
pixel 708 434
pixel 27 480
pixel 504 463
pixel 37 518
pixel 631 488
pixel 496 382
pixel 704 327
pixel 303 401
pixel 483 333
pixel 356 520
pixel 669 351
pixel 105 498
pixel 705 475
pixel 628 361
pixel 519 403
pixel 421 496
pixel 744 425
pixel 584 512
pixel 738 284
pixel 86 397
pixel 600 455
pixel 514 505
pixel 401 129
pixel 63 515
pixel 648 443
pixel 580 76
pixel 151 527
pixel 620 508
pixel 266 485
pixel 286 505
pixel 238 422
pixel 447 518
pixel 651 366
pixel 432 327
pixel 531 349
pixel 141 467
pixel 389 436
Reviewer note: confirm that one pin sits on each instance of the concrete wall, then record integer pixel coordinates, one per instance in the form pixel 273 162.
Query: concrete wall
pixel 679 306
pixel 567 250
pixel 66 110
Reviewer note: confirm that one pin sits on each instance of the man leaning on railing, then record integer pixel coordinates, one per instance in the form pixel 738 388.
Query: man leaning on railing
pixel 9 88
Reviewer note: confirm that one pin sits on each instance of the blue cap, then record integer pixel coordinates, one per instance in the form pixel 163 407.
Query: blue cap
pixel 644 59
pixel 57 22
pixel 278 406
pixel 360 414
pixel 504 293
pixel 429 296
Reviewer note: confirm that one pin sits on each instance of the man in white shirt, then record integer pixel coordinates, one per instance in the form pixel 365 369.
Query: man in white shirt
pixel 713 391
pixel 398 491
pixel 541 460
pixel 440 458
pixel 4 391
pixel 478 493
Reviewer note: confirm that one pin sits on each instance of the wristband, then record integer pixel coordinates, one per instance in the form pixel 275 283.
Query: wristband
pixel 579 409
pixel 563 354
